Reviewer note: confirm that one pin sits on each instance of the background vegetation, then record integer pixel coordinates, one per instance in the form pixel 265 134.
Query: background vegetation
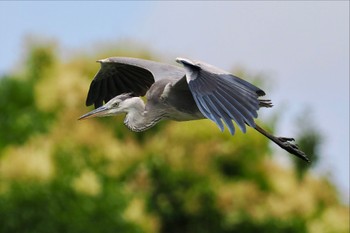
pixel 58 174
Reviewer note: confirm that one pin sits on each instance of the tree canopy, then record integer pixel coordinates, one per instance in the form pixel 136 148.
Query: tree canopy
pixel 58 174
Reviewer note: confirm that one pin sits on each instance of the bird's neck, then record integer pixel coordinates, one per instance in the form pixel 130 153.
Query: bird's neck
pixel 138 119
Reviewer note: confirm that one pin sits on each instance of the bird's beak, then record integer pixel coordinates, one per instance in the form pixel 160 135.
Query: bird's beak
pixel 98 112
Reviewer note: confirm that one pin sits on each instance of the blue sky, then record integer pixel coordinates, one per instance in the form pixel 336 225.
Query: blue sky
pixel 301 47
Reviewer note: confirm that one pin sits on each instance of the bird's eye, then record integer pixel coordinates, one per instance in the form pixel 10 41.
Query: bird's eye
pixel 115 104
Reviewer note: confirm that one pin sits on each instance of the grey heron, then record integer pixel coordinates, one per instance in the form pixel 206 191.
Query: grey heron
pixel 196 90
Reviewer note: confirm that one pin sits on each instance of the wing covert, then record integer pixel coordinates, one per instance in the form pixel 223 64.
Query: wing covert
pixel 119 75
pixel 222 97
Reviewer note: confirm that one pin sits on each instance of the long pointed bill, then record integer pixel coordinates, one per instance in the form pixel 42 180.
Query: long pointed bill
pixel 98 112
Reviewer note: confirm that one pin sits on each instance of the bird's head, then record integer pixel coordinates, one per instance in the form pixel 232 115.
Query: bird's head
pixel 123 103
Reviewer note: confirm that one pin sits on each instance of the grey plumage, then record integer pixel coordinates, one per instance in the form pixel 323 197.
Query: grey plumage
pixel 195 91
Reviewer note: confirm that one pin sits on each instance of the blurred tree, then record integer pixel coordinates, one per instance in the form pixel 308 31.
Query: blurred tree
pixel 56 207
pixel 41 59
pixel 310 140
pixel 184 201
pixel 61 175
pixel 20 118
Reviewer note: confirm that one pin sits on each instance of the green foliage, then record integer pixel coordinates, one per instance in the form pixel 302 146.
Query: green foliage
pixel 58 174
pixel 56 207
pixel 20 118
pixel 41 59
pixel 185 202
pixel 310 140
pixel 273 225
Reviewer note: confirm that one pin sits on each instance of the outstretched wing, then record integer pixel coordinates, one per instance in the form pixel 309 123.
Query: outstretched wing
pixel 220 96
pixel 120 75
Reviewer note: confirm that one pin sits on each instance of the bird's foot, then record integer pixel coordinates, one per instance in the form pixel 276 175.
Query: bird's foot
pixel 284 139
pixel 286 143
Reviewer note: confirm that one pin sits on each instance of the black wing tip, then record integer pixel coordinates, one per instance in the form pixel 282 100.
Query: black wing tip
pixel 89 100
pixel 265 103
pixel 92 93
pixel 260 92
pixel 87 104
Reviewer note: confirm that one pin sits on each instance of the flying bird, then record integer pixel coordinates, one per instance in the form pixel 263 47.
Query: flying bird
pixel 196 90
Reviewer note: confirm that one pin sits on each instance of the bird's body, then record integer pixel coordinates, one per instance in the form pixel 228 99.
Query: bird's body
pixel 196 91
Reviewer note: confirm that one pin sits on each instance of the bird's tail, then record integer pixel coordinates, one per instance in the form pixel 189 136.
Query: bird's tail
pixel 284 143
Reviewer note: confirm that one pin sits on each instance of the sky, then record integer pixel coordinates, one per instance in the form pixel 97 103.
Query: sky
pixel 301 47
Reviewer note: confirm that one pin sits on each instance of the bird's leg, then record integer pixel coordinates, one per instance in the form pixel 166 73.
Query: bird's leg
pixel 284 143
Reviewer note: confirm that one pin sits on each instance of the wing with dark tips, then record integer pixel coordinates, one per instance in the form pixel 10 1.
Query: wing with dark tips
pixel 120 75
pixel 222 97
